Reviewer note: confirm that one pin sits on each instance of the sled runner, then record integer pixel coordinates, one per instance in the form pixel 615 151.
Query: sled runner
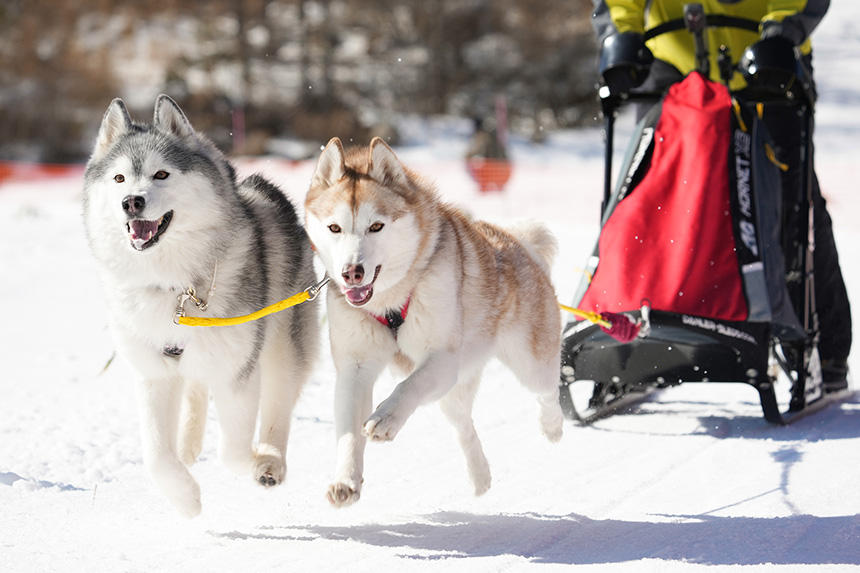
pixel 698 248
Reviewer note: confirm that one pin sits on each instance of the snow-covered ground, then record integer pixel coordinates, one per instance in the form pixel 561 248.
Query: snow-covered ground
pixel 692 479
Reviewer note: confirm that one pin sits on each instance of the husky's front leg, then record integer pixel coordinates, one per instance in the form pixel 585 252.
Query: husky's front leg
pixel 353 403
pixel 192 422
pixel 428 383
pixel 159 402
pixel 237 403
pixel 284 371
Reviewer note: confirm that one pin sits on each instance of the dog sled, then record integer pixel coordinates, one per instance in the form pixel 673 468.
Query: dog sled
pixel 698 251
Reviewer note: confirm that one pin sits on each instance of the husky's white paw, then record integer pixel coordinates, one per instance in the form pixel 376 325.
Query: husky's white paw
pixel 340 494
pixel 552 421
pixel 482 482
pixel 269 467
pixel 188 504
pixel 382 428
pixel 479 470
pixel 385 422
pixel 188 452
pixel 180 488
pixel 176 483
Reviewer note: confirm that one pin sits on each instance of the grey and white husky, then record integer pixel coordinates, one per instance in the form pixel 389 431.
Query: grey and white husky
pixel 164 213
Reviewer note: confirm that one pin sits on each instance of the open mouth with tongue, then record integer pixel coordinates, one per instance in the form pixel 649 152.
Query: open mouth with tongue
pixel 143 234
pixel 357 296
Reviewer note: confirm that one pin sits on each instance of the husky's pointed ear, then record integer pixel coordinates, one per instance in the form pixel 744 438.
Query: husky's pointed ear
pixel 384 165
pixel 168 117
pixel 331 165
pixel 115 123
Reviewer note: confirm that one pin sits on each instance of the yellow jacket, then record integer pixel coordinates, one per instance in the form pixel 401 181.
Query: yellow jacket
pixel 792 19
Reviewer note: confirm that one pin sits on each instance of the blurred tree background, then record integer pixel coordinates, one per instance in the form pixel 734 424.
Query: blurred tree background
pixel 248 71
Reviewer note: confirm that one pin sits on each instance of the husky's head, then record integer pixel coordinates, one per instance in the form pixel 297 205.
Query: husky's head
pixel 362 214
pixel 144 182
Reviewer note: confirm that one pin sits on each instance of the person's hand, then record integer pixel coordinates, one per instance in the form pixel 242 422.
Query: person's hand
pixel 770 65
pixel 624 61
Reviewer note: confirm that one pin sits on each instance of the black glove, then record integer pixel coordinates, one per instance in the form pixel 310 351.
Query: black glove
pixel 770 65
pixel 624 61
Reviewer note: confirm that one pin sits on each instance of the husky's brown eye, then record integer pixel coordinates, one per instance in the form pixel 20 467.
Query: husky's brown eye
pixel 376 227
pixel 119 178
pixel 161 174
pixel 334 228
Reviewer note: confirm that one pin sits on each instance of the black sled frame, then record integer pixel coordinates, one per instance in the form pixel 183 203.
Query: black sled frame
pixel 680 348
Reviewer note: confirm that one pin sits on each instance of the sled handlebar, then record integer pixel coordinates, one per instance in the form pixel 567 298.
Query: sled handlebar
pixel 610 103
pixel 695 21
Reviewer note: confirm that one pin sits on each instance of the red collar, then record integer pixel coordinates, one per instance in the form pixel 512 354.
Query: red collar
pixel 394 318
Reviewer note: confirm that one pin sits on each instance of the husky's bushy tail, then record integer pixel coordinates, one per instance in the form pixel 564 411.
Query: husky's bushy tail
pixel 538 241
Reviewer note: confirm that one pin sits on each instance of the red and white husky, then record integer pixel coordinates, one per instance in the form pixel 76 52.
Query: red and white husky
pixel 420 286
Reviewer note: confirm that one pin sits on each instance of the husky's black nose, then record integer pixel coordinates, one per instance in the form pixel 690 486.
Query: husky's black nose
pixel 133 204
pixel 352 274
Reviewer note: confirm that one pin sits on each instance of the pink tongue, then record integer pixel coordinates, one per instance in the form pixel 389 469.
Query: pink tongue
pixel 358 294
pixel 143 230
